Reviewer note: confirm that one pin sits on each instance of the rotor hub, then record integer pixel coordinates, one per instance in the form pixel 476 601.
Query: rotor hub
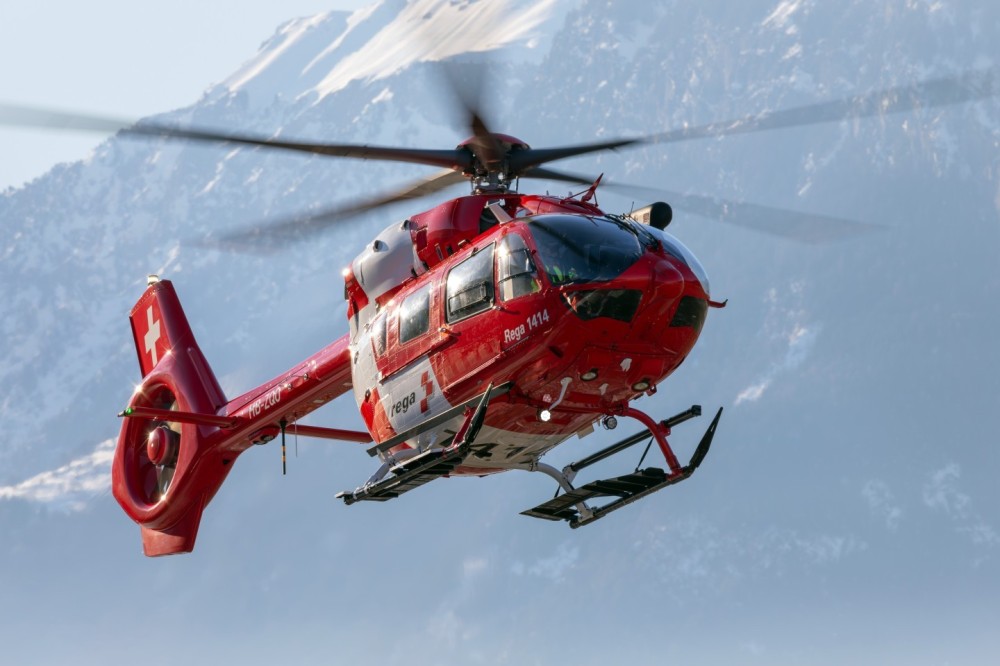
pixel 161 445
pixel 490 171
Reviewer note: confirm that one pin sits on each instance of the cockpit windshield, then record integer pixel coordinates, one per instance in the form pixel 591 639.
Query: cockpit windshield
pixel 674 247
pixel 574 249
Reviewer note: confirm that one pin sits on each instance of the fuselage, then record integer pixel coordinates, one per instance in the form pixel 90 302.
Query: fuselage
pixel 578 312
pixel 572 312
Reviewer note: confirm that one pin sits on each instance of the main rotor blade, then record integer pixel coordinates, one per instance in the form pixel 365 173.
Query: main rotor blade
pixel 540 173
pixel 468 94
pixel 812 228
pixel 966 87
pixel 969 86
pixel 16 115
pixel 452 159
pixel 27 116
pixel 522 161
pixel 273 236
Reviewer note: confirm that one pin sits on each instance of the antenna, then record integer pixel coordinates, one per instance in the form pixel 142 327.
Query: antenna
pixel 284 464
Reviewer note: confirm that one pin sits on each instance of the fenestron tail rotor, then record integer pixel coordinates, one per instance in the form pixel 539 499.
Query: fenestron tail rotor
pixel 156 457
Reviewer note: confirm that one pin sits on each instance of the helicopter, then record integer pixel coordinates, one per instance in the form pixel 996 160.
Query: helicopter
pixel 482 332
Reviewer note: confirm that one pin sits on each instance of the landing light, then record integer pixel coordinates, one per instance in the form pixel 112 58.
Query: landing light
pixel 590 375
pixel 545 416
pixel 641 386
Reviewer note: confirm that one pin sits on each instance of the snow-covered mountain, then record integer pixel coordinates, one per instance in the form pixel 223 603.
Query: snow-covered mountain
pixel 848 510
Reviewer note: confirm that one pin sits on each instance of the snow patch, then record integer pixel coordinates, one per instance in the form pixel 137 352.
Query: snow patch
pixel 173 254
pixel 698 556
pixel 70 487
pixel 793 52
pixel 433 30
pixel 782 14
pixel 283 41
pixel 553 568
pixel 474 566
pixel 801 341
pixel 383 96
pixel 882 503
pixel 942 494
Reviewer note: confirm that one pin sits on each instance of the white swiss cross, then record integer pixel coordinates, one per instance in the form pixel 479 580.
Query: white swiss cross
pixel 152 335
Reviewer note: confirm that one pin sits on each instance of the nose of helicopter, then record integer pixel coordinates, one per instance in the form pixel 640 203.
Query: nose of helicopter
pixel 667 284
pixel 627 336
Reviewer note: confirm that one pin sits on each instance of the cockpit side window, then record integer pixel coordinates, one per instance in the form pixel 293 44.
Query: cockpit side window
pixel 469 288
pixel 516 274
pixel 415 314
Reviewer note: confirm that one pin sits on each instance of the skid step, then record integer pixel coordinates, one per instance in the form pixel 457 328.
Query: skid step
pixel 408 475
pixel 627 489
pixel 429 465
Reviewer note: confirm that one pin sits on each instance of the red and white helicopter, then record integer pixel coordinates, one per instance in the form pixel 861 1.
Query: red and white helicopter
pixel 482 333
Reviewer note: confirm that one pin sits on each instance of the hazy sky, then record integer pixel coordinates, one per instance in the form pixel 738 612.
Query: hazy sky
pixel 120 57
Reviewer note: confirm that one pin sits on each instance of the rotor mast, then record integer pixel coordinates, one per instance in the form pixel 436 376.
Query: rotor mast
pixel 490 170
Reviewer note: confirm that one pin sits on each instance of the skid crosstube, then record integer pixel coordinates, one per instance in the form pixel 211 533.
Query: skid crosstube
pixel 571 505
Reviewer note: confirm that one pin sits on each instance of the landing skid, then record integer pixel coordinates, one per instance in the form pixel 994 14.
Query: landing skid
pixel 572 505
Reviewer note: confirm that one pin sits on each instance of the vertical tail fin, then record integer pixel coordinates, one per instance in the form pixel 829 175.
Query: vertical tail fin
pixel 163 473
pixel 159 326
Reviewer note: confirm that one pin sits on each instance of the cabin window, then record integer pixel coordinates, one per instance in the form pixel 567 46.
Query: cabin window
pixel 516 275
pixel 378 334
pixel 469 288
pixel 415 314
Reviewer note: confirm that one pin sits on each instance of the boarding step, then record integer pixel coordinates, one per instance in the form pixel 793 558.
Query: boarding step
pixel 410 474
pixel 627 489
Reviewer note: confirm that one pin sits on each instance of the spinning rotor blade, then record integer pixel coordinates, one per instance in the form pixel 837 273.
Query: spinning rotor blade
pixel 493 152
pixel 276 235
pixel 972 85
pixel 452 159
pixel 539 173
pixel 15 115
pixel 26 116
pixel 468 95
pixel 966 87
pixel 812 228
pixel 465 82
pixel 523 161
